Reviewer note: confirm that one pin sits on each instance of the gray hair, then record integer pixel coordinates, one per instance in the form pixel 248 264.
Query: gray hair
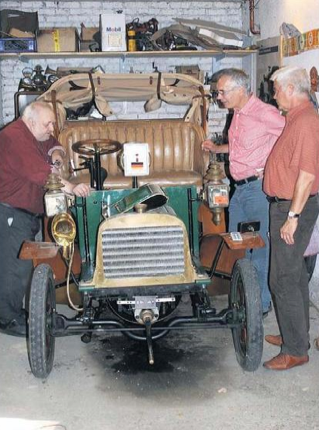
pixel 238 76
pixel 33 109
pixel 293 75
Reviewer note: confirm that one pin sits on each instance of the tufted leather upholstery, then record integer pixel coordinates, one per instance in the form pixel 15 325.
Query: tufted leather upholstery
pixel 174 145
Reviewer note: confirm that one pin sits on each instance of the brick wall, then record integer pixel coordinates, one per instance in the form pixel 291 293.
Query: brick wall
pixel 72 13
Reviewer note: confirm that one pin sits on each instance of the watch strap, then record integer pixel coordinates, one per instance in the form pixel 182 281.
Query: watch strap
pixel 293 215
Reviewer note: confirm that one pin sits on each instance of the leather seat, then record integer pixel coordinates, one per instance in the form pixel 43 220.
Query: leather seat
pixel 174 145
pixel 169 178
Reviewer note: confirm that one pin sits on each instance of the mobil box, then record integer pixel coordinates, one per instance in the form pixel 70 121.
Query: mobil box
pixel 113 31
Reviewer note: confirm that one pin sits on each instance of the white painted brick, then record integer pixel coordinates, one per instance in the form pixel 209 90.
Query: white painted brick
pixel 53 14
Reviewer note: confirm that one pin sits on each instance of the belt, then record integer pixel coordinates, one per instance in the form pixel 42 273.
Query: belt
pixel 247 180
pixel 20 210
pixel 278 200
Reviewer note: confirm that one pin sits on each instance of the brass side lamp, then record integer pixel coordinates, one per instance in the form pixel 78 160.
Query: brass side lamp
pixel 55 200
pixel 217 193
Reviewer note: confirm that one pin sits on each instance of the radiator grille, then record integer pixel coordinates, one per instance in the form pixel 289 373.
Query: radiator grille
pixel 143 252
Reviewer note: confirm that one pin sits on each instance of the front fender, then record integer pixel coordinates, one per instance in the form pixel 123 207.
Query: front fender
pixel 47 253
pixel 37 250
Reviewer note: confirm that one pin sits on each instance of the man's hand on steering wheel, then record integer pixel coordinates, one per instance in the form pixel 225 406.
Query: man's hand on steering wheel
pixel 81 190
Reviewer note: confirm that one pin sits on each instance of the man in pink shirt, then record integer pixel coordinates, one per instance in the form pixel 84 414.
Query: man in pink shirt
pixel 254 129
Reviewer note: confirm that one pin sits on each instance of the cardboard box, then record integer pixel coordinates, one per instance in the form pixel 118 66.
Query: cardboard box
pixel 89 33
pixel 113 32
pixel 90 39
pixel 14 32
pixel 89 46
pixel 58 40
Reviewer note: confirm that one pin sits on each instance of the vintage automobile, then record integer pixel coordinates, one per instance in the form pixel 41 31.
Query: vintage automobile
pixel 136 245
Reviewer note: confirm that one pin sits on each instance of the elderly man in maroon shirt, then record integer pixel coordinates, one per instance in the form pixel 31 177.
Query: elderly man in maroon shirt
pixel 27 150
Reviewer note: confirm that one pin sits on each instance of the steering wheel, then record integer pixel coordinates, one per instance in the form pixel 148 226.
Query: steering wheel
pixel 95 148
pixel 92 147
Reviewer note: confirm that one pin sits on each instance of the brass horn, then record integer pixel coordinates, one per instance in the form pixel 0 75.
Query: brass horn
pixel 64 231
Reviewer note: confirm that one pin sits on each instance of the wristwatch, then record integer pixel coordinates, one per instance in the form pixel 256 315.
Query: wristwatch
pixel 293 215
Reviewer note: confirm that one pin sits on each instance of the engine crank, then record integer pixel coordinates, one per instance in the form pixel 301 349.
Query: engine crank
pixel 147 316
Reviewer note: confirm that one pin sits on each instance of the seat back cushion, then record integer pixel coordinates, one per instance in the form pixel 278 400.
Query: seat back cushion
pixel 174 145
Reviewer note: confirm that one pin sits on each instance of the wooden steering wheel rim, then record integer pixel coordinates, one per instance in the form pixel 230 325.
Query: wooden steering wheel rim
pixel 90 147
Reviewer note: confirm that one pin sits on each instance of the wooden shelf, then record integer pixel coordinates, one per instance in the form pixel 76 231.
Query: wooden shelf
pixel 123 55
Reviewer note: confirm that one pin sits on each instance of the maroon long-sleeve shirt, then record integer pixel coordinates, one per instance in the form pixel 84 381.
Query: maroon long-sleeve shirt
pixel 24 167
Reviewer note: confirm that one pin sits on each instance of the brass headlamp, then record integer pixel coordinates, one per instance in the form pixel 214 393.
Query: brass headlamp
pixel 55 200
pixel 217 193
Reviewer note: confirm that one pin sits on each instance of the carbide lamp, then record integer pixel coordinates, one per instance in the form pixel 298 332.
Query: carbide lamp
pixel 55 200
pixel 217 193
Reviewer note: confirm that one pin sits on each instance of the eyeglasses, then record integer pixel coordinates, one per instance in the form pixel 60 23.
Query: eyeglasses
pixel 224 92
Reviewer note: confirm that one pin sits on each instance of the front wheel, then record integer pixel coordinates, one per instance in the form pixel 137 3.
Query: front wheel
pixel 246 303
pixel 41 343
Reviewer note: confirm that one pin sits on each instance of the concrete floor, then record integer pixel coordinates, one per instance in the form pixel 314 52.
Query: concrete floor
pixel 195 383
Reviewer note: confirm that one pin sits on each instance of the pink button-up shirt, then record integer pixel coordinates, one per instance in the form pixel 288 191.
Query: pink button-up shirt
pixel 252 134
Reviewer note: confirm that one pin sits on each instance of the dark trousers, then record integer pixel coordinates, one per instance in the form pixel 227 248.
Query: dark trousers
pixel 289 277
pixel 15 275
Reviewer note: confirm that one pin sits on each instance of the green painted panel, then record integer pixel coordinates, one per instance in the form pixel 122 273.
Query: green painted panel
pixel 89 213
pixel 152 195
pixel 89 216
pixel 185 202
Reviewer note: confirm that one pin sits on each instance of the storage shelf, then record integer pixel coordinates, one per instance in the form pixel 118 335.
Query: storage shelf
pixel 117 54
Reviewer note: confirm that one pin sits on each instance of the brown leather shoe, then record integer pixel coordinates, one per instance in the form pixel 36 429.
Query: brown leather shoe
pixel 285 362
pixel 316 343
pixel 274 339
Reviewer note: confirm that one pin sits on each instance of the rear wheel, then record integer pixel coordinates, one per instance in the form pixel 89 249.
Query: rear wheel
pixel 246 302
pixel 41 343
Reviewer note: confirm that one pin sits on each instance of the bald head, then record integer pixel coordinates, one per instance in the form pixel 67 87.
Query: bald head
pixel 40 120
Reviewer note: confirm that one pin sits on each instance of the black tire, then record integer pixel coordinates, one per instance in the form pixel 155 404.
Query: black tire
pixel 41 343
pixel 246 302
